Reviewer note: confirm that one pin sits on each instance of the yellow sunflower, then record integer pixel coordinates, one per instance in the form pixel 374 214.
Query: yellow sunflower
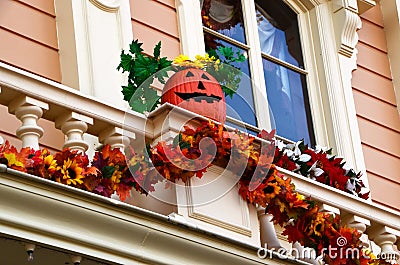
pixel 50 163
pixel 317 225
pixel 271 191
pixel 71 172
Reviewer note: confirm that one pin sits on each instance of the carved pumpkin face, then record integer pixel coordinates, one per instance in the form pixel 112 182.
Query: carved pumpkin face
pixel 196 90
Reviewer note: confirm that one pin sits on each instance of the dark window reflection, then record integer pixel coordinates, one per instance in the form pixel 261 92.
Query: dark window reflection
pixel 225 17
pixel 286 89
pixel 279 32
pixel 241 105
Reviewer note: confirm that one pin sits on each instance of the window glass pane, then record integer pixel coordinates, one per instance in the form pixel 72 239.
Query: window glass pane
pixel 287 97
pixel 225 17
pixel 278 32
pixel 241 105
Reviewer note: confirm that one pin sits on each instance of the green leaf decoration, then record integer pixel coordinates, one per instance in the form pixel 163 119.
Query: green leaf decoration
pixel 125 63
pixel 176 140
pixel 157 50
pixel 135 47
pixel 143 69
pixel 184 145
pixel 107 171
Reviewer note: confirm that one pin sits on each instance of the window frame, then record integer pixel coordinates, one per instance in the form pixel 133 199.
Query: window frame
pixel 330 65
pixel 255 57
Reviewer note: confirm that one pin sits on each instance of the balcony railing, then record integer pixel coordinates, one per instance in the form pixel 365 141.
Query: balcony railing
pixel 30 98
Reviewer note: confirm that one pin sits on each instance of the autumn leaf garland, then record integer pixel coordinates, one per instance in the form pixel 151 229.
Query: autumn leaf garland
pixel 189 155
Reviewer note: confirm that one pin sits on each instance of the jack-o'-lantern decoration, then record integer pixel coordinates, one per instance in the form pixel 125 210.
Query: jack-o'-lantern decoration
pixel 196 90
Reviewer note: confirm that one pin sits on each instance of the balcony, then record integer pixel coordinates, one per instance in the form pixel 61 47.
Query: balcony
pixel 143 230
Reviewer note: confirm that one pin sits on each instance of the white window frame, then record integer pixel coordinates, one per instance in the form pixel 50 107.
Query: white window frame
pixel 257 74
pixel 329 65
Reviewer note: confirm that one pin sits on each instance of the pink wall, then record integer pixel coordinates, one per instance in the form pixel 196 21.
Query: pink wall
pixel 378 118
pixel 154 21
pixel 29 38
pixel 52 139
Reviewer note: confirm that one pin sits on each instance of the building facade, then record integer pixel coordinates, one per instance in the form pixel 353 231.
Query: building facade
pixel 60 87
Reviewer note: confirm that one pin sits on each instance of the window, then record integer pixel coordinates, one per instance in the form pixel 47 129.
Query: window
pixel 267 33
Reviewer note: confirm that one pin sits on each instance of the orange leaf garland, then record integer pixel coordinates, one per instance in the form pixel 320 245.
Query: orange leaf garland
pixel 190 155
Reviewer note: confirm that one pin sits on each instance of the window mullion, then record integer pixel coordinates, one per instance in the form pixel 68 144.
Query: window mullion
pixel 285 64
pixel 227 39
pixel 256 67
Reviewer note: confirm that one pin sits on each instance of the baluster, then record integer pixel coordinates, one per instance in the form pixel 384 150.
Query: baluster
pixel 268 235
pixel 74 125
pixel 326 208
pixel 385 237
pixel 359 223
pixel 116 137
pixel 28 110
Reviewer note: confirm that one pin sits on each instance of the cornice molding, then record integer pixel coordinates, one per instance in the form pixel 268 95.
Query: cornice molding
pixel 111 6
pixel 346 21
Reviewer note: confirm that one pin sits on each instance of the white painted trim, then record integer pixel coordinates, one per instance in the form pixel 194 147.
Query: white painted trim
pixel 92 34
pixel 261 105
pixel 136 235
pixel 16 82
pixel 391 19
pixel 190 27
pixel 73 44
pixel 194 212
pixel 341 128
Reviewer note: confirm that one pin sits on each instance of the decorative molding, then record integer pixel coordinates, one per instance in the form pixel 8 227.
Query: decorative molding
pixel 214 221
pixel 336 71
pixel 116 137
pixel 194 212
pixel 346 23
pixel 111 6
pixel 90 44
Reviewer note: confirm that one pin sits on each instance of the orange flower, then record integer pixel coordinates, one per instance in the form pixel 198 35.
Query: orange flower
pixel 13 161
